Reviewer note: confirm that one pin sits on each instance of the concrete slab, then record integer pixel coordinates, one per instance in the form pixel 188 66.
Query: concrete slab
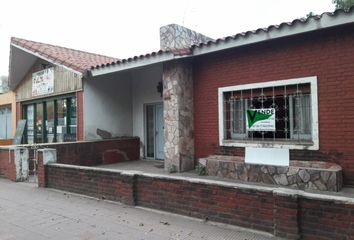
pixel 28 212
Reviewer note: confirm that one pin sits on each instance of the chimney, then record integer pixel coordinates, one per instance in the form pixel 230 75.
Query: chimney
pixel 174 37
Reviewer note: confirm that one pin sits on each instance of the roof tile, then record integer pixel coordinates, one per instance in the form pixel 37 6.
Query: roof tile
pixel 75 59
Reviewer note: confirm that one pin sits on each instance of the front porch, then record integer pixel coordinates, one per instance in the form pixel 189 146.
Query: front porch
pixel 153 102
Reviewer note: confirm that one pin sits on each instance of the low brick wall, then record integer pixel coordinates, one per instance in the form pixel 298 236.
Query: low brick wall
pixel 283 212
pixel 93 153
pixel 7 164
pixel 100 184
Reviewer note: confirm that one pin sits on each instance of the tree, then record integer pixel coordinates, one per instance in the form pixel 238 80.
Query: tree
pixel 4 84
pixel 343 4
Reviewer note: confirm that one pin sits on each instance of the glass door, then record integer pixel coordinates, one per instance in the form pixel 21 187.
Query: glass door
pixel 39 123
pixel 50 122
pixel 30 124
pixel 61 118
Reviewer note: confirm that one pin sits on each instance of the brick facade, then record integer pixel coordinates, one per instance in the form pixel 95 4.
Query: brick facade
pixel 327 55
pixel 7 164
pixel 97 152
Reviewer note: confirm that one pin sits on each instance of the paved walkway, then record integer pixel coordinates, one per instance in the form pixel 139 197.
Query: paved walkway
pixel 28 212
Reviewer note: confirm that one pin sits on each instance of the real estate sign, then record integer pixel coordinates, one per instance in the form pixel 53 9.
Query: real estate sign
pixel 43 82
pixel 260 119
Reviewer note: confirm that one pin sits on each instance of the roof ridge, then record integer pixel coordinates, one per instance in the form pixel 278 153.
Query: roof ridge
pixel 315 17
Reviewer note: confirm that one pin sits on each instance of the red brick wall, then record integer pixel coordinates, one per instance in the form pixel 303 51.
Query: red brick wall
pixel 327 55
pixel 100 184
pixel 246 208
pixel 7 166
pixel 326 220
pixel 97 152
pixel 284 214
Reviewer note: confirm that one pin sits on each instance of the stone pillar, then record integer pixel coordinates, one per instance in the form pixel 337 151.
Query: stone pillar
pixel 174 36
pixel 178 115
pixel 21 156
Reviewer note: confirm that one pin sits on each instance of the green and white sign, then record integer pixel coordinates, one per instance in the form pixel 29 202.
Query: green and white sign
pixel 260 119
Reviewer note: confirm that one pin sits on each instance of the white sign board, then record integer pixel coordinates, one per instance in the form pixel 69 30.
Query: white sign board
pixel 260 119
pixel 267 156
pixel 43 82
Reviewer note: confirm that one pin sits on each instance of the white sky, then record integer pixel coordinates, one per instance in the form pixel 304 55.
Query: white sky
pixel 131 27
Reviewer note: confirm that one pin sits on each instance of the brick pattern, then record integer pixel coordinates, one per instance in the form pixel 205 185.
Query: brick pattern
pixel 7 164
pixel 327 55
pixel 100 184
pixel 286 222
pixel 41 173
pixel 326 220
pixel 98 152
pixel 289 216
pixel 246 208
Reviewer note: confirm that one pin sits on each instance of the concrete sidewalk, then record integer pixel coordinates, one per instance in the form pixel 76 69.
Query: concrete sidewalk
pixel 28 212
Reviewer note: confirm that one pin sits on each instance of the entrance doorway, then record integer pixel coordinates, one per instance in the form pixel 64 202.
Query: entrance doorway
pixel 154 131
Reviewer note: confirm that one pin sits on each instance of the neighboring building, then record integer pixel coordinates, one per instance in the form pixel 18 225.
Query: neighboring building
pixel 7 111
pixel 198 97
pixel 48 82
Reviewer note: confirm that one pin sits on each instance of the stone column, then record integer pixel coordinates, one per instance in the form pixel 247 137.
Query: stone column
pixel 178 115
pixel 21 163
pixel 174 36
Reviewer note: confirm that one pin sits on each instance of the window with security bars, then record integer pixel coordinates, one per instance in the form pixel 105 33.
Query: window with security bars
pixel 274 113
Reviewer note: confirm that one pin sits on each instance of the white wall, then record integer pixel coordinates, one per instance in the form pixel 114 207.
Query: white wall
pixel 144 90
pixel 108 105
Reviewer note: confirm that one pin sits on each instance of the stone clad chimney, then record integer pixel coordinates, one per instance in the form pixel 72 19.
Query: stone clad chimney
pixel 174 36
pixel 178 98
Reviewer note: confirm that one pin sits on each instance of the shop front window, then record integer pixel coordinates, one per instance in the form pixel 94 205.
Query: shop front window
pixel 61 116
pixel 51 121
pixel 39 123
pixel 30 124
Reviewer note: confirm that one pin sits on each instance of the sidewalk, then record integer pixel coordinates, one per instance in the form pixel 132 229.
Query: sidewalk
pixel 28 212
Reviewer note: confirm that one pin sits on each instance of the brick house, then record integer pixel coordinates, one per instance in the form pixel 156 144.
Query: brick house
pixel 302 70
pixel 192 98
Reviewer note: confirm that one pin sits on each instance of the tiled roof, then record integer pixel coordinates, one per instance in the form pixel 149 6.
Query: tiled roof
pixel 131 59
pixel 176 52
pixel 71 58
pixel 240 37
pixel 302 21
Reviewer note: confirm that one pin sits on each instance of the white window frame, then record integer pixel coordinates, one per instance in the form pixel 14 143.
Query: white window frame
pixel 313 144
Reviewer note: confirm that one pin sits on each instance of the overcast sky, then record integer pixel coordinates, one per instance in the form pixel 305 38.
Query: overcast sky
pixel 131 27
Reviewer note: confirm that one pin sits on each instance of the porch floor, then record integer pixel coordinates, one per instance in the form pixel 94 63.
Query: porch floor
pixel 156 167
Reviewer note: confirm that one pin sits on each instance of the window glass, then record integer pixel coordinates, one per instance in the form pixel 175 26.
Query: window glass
pixel 150 132
pixel 52 121
pixel 30 124
pixel 291 113
pixel 73 118
pixel 50 127
pixel 61 119
pixel 39 123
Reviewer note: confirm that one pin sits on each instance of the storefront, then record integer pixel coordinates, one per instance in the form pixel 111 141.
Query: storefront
pixel 50 120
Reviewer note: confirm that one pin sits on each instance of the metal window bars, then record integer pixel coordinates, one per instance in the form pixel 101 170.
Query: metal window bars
pixel 292 104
